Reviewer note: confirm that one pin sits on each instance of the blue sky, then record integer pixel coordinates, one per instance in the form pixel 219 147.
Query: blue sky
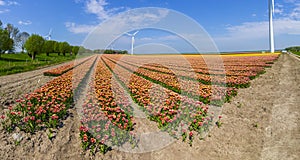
pixel 232 25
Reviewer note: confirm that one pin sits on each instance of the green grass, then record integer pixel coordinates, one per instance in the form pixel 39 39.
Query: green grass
pixel 297 53
pixel 16 63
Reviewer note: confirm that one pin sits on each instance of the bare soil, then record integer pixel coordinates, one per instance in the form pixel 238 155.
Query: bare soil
pixel 261 122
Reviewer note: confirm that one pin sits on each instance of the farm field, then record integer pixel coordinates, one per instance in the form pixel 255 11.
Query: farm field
pixel 17 63
pixel 241 106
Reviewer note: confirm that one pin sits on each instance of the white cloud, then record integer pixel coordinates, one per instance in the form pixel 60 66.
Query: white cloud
pixel 75 28
pixel 100 9
pixel 4 11
pixel 260 29
pixel 290 1
pixel 278 11
pixel 25 22
pixel 295 14
pixel 254 35
pixel 97 7
pixel 8 3
pixel 2 3
pixel 135 19
pixel 169 38
pixel 161 38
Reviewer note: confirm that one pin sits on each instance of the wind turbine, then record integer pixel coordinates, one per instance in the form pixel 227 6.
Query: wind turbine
pixel 271 32
pixel 48 36
pixel 132 40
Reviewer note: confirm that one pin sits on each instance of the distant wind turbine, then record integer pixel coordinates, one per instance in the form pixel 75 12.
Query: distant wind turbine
pixel 132 40
pixel 48 36
pixel 271 32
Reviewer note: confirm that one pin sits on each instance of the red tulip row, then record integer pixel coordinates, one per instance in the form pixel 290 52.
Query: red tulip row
pixel 236 76
pixel 107 115
pixel 169 109
pixel 232 65
pixel 206 93
pixel 46 106
pixel 65 68
pixel 169 75
pixel 228 70
pixel 105 87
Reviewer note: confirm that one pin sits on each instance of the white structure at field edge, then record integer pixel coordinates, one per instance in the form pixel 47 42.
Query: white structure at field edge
pixel 132 40
pixel 271 32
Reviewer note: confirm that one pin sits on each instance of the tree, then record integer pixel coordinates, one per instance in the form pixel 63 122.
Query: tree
pixel 110 51
pixel 293 49
pixel 13 33
pixel 34 45
pixel 49 47
pixel 21 39
pixel 6 43
pixel 56 48
pixel 64 47
pixel 75 49
pixel 71 50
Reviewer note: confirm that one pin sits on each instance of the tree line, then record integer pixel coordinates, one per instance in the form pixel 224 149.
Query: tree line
pixel 36 44
pixel 293 49
pixel 110 51
pixel 11 38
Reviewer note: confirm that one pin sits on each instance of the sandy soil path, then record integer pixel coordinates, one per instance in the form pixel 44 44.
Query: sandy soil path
pixel 283 132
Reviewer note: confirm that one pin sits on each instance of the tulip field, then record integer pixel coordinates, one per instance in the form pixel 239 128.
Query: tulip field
pixel 176 92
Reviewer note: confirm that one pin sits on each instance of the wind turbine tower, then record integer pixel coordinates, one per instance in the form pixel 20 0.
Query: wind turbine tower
pixel 132 40
pixel 271 32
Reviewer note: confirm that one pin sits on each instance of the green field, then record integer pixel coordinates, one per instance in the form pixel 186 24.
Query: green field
pixel 16 63
pixel 297 53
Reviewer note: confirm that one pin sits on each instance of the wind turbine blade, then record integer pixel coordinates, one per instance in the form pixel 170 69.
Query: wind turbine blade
pixel 135 33
pixel 128 34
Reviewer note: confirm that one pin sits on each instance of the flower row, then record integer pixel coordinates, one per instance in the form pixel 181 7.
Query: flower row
pixel 65 68
pixel 46 106
pixel 106 113
pixel 236 76
pixel 174 113
pixel 204 92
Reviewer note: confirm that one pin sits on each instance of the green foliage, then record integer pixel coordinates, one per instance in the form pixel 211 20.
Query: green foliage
pixel 13 33
pixel 64 47
pixel 110 51
pixel 295 50
pixel 34 45
pixel 6 43
pixel 83 50
pixel 56 48
pixel 75 49
pixel 49 47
